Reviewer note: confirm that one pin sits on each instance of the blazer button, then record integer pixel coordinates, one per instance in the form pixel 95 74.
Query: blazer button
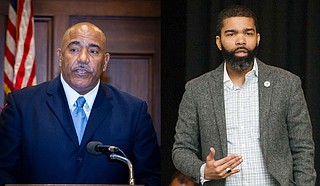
pixel 79 158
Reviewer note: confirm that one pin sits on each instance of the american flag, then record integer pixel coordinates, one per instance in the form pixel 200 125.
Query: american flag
pixel 19 61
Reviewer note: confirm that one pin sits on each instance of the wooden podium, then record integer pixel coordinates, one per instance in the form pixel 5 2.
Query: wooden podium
pixel 68 185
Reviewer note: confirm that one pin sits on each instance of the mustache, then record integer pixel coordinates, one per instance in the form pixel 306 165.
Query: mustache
pixel 82 66
pixel 240 48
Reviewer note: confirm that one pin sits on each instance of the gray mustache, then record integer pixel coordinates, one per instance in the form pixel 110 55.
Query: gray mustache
pixel 82 67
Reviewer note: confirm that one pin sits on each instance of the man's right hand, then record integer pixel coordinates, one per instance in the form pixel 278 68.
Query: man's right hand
pixel 218 169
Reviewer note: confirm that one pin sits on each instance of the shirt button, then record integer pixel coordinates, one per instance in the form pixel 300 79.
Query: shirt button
pixel 244 164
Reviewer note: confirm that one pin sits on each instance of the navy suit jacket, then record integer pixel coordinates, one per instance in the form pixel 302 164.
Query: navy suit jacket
pixel 38 142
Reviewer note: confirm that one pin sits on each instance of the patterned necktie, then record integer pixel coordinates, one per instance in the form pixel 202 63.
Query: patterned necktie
pixel 79 118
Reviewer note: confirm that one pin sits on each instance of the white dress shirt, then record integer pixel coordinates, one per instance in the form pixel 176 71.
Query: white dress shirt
pixel 72 96
pixel 243 131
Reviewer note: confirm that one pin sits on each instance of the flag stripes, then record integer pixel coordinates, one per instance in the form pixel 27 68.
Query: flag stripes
pixel 19 62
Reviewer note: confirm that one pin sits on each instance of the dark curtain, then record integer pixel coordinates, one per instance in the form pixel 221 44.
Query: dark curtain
pixel 290 38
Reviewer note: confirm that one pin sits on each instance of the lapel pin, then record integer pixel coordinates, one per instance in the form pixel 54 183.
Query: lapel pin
pixel 267 84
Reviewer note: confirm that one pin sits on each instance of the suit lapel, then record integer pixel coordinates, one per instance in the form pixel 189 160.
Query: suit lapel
pixel 100 110
pixel 265 93
pixel 58 104
pixel 217 93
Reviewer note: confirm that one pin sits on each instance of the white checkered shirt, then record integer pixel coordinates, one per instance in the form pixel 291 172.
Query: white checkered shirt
pixel 243 132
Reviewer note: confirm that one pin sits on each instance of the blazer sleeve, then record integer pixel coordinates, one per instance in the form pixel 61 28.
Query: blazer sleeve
pixel 146 150
pixel 186 148
pixel 300 137
pixel 9 142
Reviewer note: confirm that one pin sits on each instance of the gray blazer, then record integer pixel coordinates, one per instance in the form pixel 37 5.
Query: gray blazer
pixel 285 126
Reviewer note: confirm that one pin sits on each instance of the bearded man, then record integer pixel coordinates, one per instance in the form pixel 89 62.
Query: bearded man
pixel 246 122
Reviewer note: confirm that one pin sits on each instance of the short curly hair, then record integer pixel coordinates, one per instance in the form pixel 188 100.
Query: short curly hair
pixel 235 11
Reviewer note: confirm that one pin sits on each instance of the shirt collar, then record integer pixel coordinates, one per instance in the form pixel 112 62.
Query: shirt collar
pixel 72 95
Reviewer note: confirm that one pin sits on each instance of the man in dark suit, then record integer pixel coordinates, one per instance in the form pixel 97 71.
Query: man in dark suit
pixel 245 122
pixel 42 141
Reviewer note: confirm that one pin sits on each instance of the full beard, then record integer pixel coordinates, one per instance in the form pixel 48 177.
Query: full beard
pixel 239 63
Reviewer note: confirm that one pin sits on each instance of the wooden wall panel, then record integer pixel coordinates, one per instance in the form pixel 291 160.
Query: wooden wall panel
pixel 126 34
pixel 43 43
pixel 2 44
pixel 136 71
pixel 129 8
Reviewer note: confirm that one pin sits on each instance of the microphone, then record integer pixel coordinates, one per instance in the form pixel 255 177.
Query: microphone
pixel 97 148
pixel 129 164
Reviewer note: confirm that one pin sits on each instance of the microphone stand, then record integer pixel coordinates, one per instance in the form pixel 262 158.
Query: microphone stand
pixel 128 162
